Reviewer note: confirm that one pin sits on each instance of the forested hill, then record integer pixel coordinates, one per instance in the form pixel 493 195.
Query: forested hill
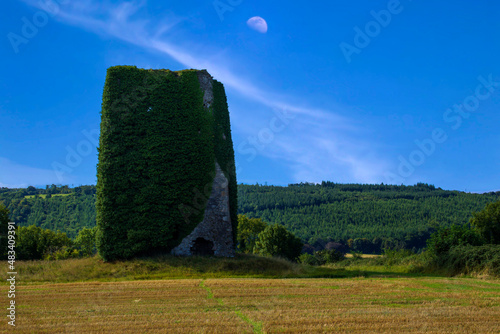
pixel 56 208
pixel 380 215
pixel 384 215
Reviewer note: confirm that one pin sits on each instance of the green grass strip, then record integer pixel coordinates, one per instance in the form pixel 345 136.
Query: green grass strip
pixel 256 326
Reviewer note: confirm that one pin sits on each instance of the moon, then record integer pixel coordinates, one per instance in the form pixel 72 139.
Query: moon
pixel 257 23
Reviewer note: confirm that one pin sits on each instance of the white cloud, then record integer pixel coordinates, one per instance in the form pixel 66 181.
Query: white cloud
pixel 320 145
pixel 317 156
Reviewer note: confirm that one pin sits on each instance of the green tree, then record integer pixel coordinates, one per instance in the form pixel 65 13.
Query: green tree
pixel 85 241
pixel 248 232
pixel 443 240
pixel 4 222
pixel 309 259
pixel 362 245
pixel 33 242
pixel 487 222
pixel 328 256
pixel 275 240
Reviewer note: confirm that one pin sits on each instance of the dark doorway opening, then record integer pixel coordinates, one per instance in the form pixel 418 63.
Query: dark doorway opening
pixel 202 247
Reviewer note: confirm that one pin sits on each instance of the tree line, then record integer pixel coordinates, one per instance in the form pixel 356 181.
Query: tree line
pixel 56 207
pixel 459 248
pixel 366 218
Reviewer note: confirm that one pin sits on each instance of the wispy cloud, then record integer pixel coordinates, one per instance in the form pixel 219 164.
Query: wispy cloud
pixel 316 155
pixel 321 143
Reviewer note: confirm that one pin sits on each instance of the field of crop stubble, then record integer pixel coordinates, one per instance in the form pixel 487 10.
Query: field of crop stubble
pixel 430 305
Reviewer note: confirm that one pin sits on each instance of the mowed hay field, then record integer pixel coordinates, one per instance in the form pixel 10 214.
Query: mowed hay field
pixel 248 305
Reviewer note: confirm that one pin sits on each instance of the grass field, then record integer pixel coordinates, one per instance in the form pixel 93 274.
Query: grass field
pixel 246 294
pixel 168 267
pixel 236 305
pixel 364 256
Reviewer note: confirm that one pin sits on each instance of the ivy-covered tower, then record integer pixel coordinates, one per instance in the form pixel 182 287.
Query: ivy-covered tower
pixel 166 178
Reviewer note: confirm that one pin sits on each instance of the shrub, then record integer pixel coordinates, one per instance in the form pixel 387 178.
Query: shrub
pixel 395 256
pixel 328 256
pixel 34 243
pixel 309 259
pixel 469 259
pixel 356 255
pixel 322 257
pixel 443 240
pixel 85 241
pixel 275 240
pixel 62 253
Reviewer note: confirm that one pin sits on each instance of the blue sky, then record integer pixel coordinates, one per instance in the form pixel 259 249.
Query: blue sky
pixel 352 92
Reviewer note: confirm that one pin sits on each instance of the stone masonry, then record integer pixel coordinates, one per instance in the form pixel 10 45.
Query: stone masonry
pixel 213 236
pixel 205 80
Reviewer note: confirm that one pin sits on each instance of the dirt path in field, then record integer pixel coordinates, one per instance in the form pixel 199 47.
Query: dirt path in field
pixel 256 326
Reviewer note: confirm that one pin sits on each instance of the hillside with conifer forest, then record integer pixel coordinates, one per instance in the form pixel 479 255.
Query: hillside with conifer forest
pixel 366 217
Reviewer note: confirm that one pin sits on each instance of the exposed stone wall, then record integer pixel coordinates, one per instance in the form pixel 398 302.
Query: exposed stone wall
pixel 216 229
pixel 216 225
pixel 206 80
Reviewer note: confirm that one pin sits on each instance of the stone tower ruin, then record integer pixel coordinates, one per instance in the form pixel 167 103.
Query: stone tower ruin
pixel 166 176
